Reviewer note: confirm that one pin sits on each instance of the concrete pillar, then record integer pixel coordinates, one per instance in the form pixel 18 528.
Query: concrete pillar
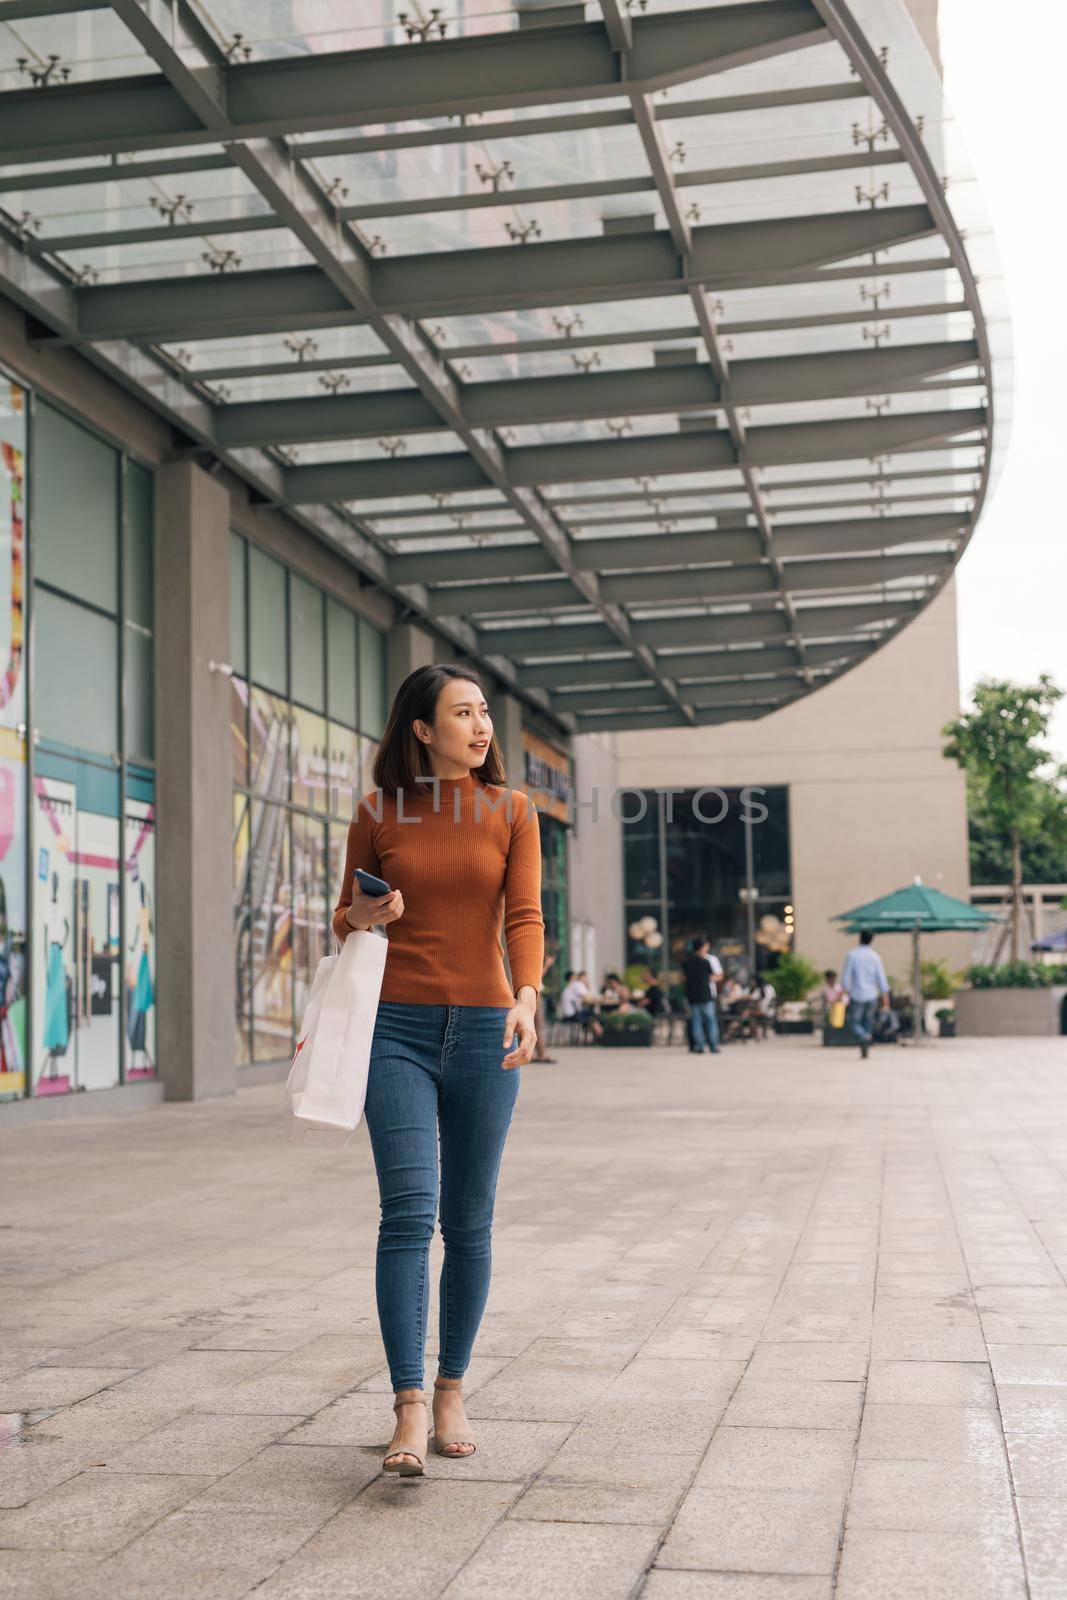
pixel 409 648
pixel 507 723
pixel 194 851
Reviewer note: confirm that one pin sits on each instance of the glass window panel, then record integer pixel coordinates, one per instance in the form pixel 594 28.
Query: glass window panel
pixel 76 674
pixel 554 883
pixel 311 905
pixel 335 867
pixel 140 713
pixel 242 928
pixel 12 742
pixel 77 950
pixel 271 933
pixel 139 888
pixel 269 727
pixel 137 566
pixel 770 841
pixel 341 658
pixel 305 642
pixel 372 680
pixel 239 731
pixel 345 777
pixel 75 509
pixel 368 755
pixel 267 603
pixel 309 747
pixel 238 632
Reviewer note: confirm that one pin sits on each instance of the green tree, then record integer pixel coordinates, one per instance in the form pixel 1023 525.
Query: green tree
pixel 1044 853
pixel 1013 784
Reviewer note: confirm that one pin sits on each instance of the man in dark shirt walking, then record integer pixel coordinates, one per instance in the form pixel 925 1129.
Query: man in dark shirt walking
pixel 701 996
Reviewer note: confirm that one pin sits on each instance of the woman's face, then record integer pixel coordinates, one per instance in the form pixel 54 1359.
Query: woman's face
pixel 462 727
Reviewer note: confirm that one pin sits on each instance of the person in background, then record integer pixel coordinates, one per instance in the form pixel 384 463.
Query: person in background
pixel 764 999
pixel 700 993
pixel 540 1054
pixel 654 1001
pixel 864 981
pixel 832 995
pixel 716 970
pixel 614 987
pixel 575 1003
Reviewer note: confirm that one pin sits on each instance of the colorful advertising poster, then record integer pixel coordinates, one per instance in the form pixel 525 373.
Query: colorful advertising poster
pixel 77 999
pixel 140 955
pixel 12 741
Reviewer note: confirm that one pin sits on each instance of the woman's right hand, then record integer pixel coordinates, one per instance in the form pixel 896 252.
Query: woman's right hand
pixel 374 911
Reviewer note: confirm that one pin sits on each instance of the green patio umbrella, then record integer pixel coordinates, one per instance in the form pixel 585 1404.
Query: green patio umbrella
pixel 918 909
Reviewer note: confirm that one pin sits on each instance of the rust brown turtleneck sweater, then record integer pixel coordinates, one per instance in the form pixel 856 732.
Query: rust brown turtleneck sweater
pixel 464 864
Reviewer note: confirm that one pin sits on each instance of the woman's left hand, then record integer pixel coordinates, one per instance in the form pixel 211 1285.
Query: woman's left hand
pixel 519 1025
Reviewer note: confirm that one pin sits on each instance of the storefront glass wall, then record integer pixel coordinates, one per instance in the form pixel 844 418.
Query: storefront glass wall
pixel 308 707
pixel 712 861
pixel 77 978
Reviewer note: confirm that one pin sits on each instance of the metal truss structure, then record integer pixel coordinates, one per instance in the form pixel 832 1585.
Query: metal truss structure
pixel 658 441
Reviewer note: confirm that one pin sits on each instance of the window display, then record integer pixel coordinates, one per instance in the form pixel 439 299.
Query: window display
pixel 307 672
pixel 12 740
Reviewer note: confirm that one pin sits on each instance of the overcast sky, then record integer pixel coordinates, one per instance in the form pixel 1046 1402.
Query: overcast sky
pixel 1004 76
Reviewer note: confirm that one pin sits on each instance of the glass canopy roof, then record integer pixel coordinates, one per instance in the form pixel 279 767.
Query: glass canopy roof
pixel 637 349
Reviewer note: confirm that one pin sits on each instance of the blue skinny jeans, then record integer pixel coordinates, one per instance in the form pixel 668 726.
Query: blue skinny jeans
pixel 436 1076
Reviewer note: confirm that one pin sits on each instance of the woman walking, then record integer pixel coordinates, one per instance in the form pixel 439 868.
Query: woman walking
pixel 461 853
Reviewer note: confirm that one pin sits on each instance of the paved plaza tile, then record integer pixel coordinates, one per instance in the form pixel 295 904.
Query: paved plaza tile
pixel 777 1326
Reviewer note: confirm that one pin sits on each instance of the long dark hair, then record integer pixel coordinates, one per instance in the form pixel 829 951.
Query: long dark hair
pixel 402 759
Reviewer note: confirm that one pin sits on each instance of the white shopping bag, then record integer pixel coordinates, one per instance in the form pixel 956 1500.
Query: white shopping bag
pixel 327 1082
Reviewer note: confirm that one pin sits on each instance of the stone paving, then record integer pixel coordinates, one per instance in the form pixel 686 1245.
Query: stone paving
pixel 777 1326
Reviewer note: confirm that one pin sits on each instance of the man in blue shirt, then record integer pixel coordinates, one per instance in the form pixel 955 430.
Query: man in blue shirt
pixel 864 981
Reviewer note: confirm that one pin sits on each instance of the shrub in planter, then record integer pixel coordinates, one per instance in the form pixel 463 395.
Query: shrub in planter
pixel 1017 975
pixel 946 1023
pixel 628 1028
pixel 939 982
pixel 794 977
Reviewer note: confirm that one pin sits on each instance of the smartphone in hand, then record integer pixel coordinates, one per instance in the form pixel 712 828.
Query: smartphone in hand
pixel 369 884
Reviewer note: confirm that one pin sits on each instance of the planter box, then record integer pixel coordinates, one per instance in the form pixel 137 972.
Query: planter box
pixel 1007 1012
pixel 639 1038
pixel 791 1025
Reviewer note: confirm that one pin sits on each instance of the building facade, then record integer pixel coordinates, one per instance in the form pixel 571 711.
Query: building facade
pixel 682 454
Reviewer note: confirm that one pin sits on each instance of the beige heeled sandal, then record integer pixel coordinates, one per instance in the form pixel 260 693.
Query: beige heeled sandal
pixel 415 1467
pixel 440 1440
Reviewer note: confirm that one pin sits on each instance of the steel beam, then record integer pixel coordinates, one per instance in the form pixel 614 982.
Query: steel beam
pixel 742 582
pixel 562 639
pixel 639 391
pixel 596 189
pixel 771 486
pixel 575 121
pixel 464 599
pixel 625 266
pixel 608 699
pixel 113 171
pixel 845 536
pixel 626 458
pixel 706 666
pixel 446 283
pixel 24 10
pixel 594 673
pixel 580 341
pixel 662 633
pixel 446 78
pixel 593 722
pixel 741 692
